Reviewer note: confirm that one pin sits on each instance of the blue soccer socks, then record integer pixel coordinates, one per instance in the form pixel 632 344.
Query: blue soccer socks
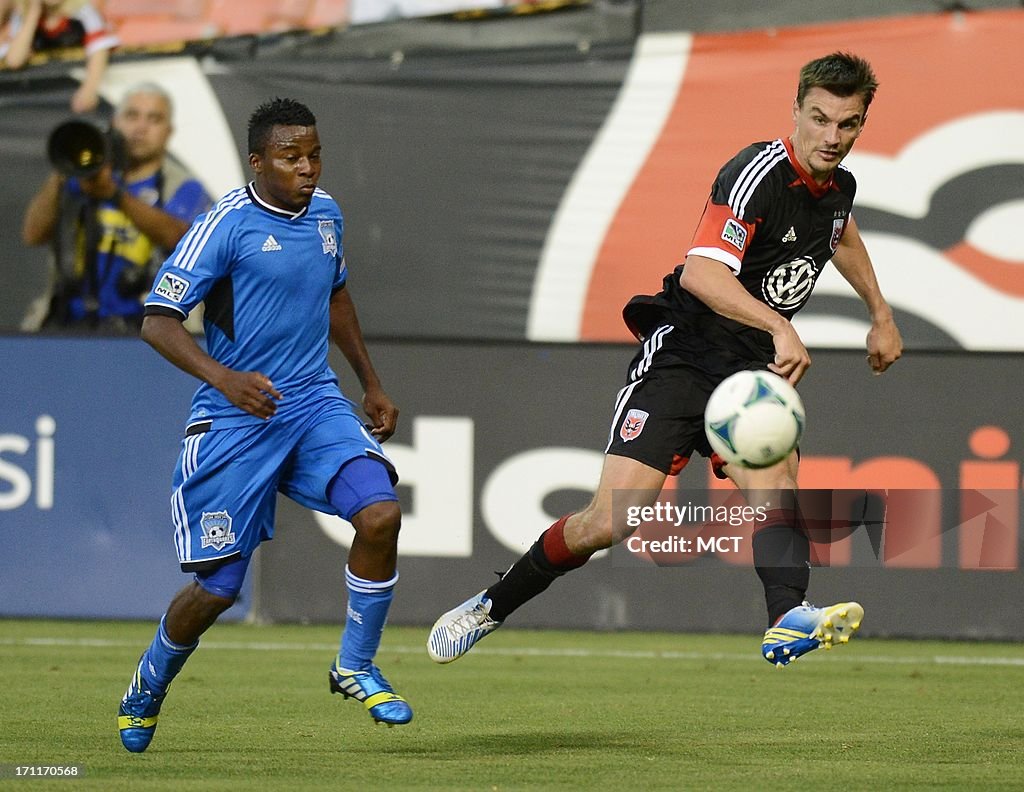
pixel 164 659
pixel 368 605
pixel 353 673
pixel 140 706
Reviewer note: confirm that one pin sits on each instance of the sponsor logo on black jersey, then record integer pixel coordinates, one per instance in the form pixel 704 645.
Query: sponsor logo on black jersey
pixel 787 286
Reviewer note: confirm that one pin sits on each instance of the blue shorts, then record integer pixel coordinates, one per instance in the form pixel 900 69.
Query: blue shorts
pixel 226 480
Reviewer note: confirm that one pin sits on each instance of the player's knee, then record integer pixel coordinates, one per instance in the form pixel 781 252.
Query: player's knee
pixel 379 523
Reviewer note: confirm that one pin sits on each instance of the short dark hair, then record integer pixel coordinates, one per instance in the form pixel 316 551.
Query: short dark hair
pixel 276 112
pixel 840 73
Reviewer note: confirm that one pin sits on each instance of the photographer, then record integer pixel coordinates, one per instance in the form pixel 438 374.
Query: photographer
pixel 111 227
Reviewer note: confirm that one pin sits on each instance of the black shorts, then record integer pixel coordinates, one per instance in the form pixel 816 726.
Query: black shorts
pixel 659 414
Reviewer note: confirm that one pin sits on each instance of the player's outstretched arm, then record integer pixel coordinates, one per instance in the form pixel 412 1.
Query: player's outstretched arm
pixel 851 259
pixel 713 284
pixel 248 390
pixel 346 333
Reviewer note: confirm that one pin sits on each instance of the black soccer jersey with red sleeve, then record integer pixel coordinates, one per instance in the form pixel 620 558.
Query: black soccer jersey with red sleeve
pixel 773 225
pixel 775 228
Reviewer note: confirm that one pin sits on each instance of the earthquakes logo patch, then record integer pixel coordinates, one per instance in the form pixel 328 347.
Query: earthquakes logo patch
pixel 330 239
pixel 172 287
pixel 217 531
pixel 788 286
pixel 735 234
pixel 633 425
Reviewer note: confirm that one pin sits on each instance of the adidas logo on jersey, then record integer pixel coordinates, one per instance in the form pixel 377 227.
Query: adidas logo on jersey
pixel 790 235
pixel 271 244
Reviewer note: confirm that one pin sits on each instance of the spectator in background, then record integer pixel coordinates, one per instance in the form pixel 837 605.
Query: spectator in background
pixel 39 25
pixel 110 231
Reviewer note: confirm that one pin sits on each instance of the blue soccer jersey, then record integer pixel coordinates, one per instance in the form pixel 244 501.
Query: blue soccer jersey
pixel 266 276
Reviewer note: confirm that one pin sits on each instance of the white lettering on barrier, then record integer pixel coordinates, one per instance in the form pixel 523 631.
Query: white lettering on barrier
pixel 513 496
pixel 18 481
pixel 438 467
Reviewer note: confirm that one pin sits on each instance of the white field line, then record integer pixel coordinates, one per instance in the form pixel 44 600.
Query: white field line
pixel 526 651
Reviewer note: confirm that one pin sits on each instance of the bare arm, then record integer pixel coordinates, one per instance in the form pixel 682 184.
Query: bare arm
pixel 42 212
pixel 21 45
pixel 87 96
pixel 248 390
pixel 851 259
pixel 714 284
pixel 346 333
pixel 163 229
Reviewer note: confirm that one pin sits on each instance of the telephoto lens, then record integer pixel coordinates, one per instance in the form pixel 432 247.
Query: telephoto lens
pixel 78 148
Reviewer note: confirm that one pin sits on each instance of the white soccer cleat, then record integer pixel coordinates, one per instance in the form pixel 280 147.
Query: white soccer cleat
pixel 456 632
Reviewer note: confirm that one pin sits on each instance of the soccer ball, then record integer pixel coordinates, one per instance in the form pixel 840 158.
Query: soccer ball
pixel 754 419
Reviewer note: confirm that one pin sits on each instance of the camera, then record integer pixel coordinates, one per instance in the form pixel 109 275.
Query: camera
pixel 80 148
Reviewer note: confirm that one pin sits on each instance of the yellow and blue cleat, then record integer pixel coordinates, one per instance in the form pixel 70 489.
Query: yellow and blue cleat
pixel 371 688
pixel 804 628
pixel 137 715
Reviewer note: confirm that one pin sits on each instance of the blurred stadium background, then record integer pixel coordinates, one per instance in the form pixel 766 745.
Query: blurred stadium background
pixel 511 173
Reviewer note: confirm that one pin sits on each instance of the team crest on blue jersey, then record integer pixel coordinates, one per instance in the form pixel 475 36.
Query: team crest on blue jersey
pixel 217 531
pixel 326 229
pixel 172 287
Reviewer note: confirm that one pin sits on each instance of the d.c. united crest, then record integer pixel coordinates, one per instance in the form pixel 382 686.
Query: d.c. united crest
pixel 633 425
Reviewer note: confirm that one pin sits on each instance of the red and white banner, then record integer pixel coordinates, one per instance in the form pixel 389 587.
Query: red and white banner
pixel 940 170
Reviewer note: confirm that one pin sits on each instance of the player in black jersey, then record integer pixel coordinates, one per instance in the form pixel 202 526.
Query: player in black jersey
pixel 778 212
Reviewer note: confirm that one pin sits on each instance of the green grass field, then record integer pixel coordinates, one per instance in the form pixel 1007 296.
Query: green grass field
pixel 525 710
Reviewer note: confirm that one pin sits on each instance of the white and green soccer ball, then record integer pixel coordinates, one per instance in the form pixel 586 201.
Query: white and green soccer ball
pixel 754 419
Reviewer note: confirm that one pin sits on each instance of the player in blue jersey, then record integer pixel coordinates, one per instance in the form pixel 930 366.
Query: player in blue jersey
pixel 268 262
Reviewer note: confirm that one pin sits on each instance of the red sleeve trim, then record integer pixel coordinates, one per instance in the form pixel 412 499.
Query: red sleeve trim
pixel 722 236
